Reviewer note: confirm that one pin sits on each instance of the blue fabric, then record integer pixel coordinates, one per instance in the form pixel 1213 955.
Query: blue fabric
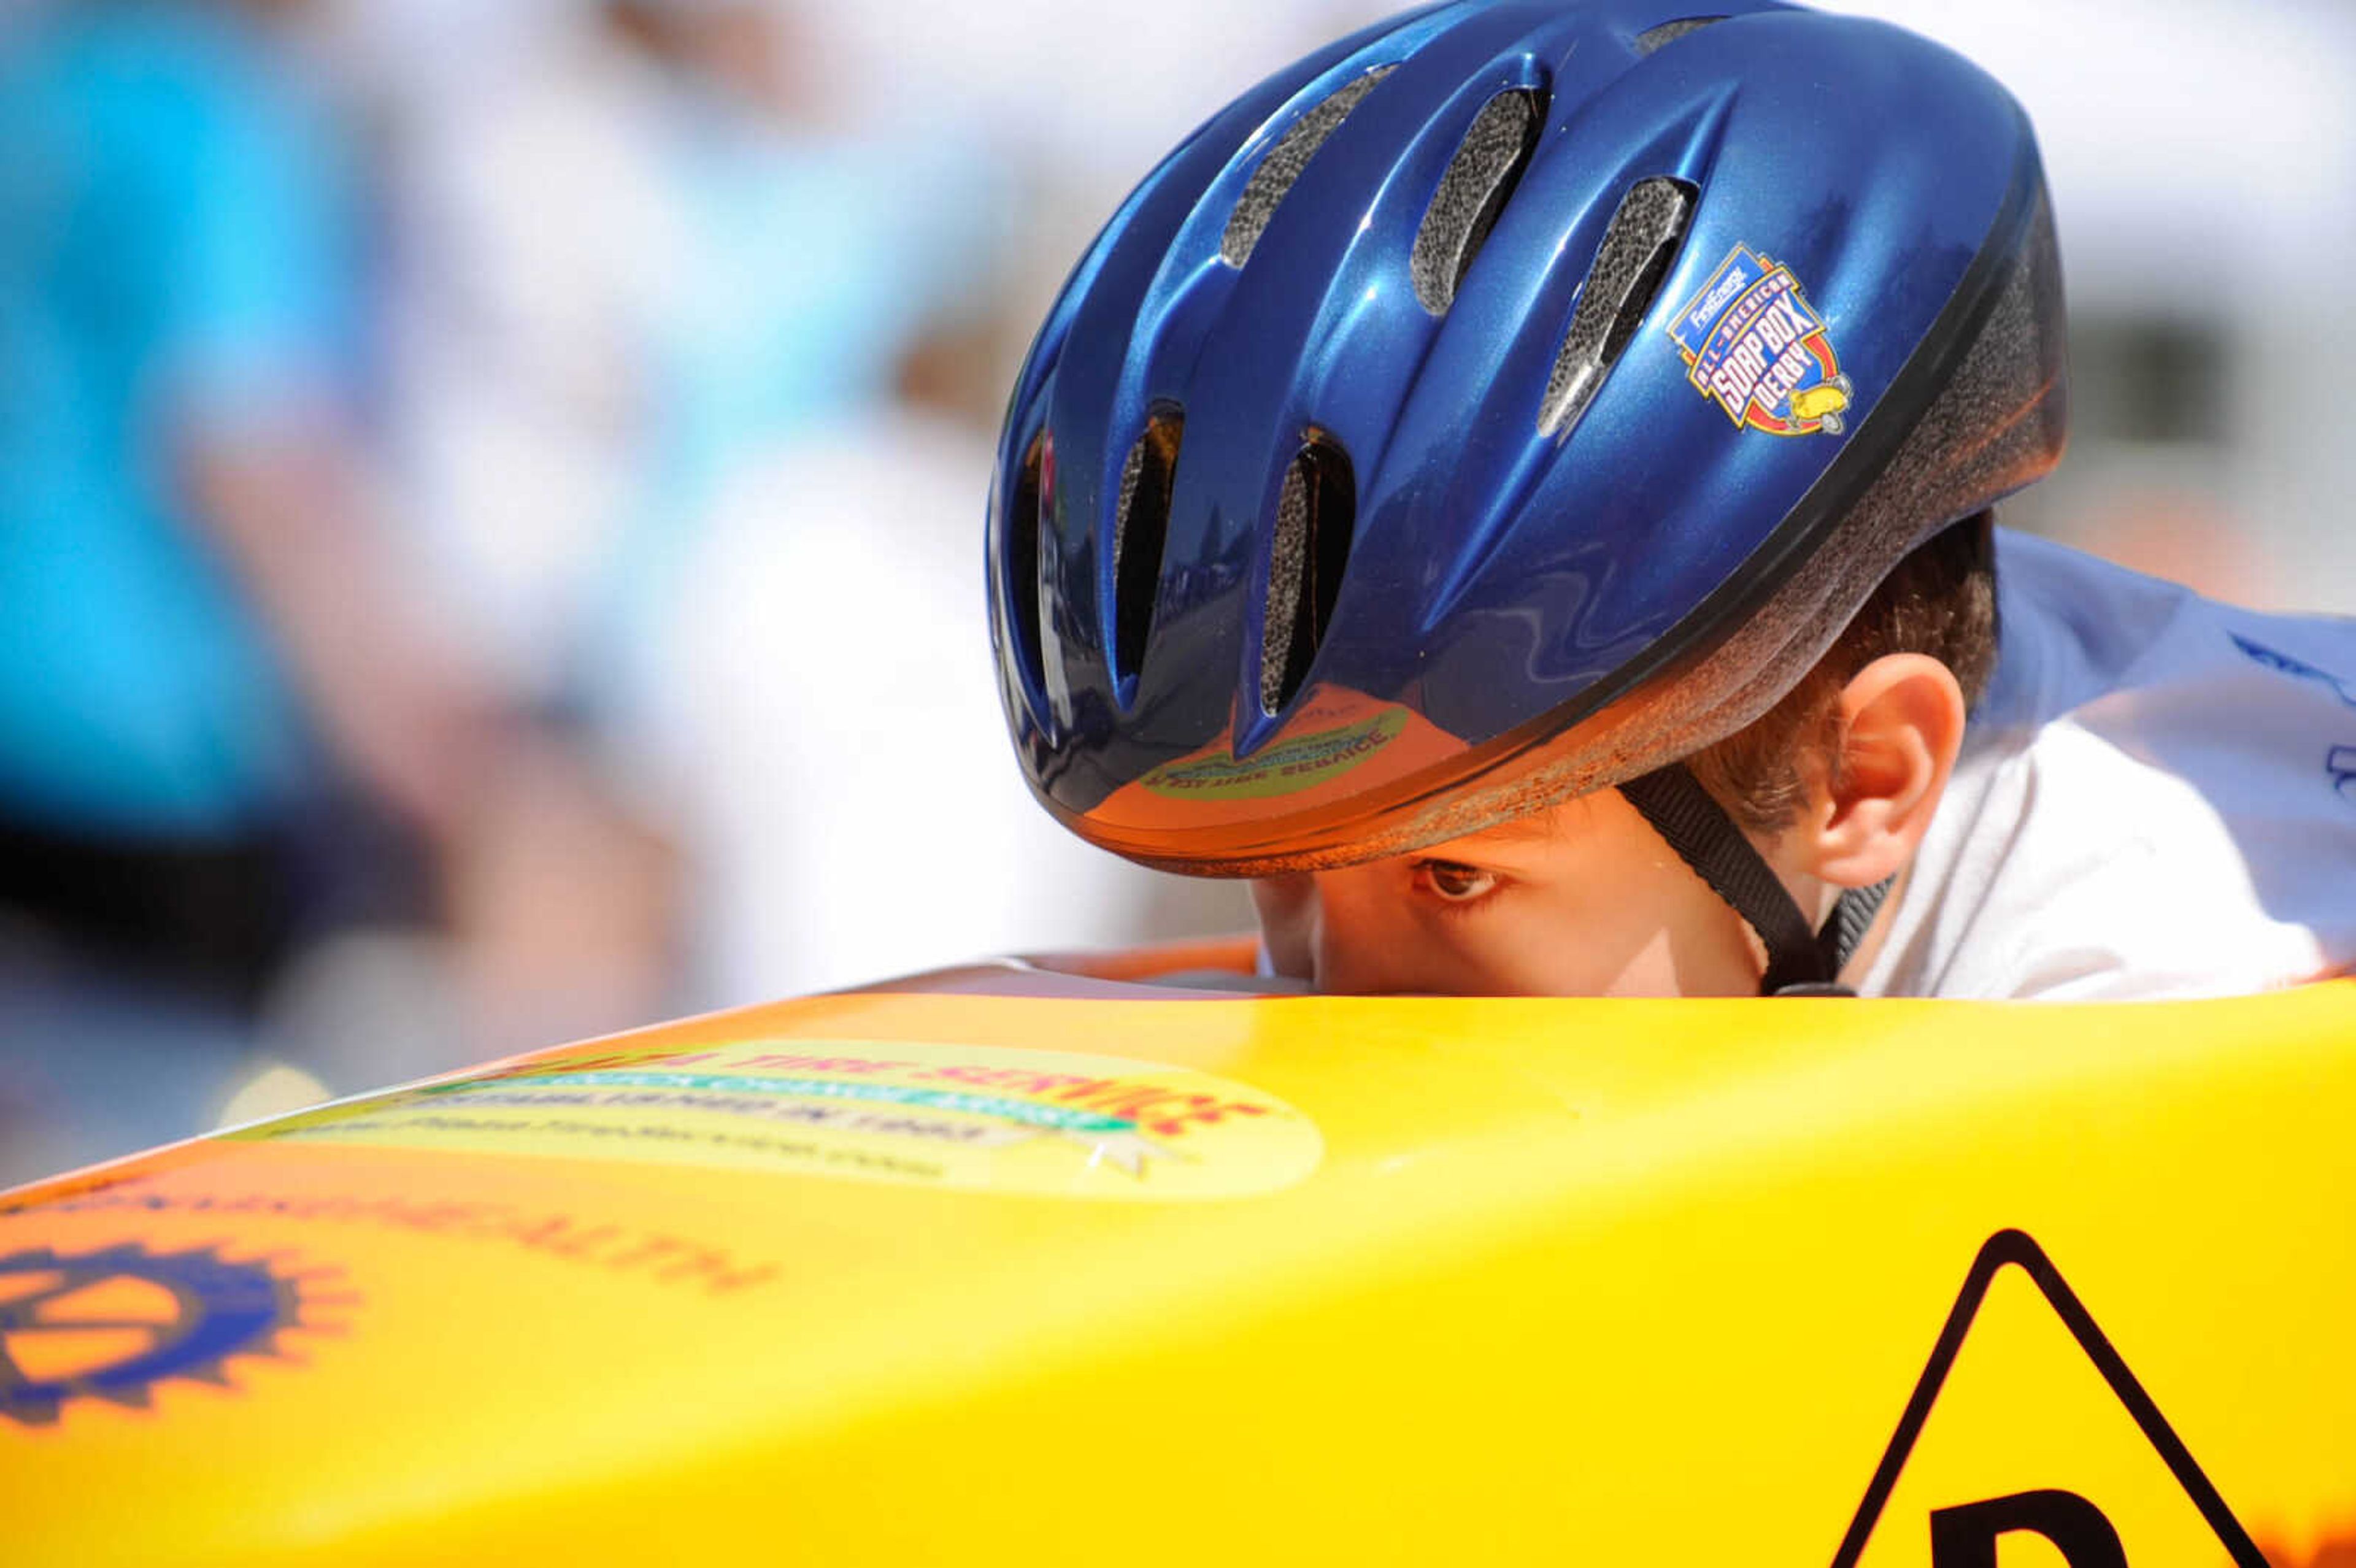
pixel 173 249
pixel 815 266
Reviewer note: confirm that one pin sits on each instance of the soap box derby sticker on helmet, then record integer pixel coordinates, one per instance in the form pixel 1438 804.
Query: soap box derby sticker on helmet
pixel 1048 1123
pixel 1753 344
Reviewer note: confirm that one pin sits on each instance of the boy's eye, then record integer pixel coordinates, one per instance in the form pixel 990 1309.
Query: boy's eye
pixel 1455 882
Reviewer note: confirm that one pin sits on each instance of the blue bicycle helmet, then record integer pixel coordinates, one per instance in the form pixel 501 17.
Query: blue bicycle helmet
pixel 1505 402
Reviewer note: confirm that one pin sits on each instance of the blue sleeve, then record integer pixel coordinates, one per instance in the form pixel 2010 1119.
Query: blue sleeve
pixel 258 307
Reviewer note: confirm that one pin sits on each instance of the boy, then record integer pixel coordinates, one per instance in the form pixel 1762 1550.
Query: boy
pixel 1517 484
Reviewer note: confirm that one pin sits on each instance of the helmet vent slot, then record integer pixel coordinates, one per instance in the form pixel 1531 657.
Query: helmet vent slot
pixel 1315 515
pixel 1667 33
pixel 1139 528
pixel 1628 271
pixel 1020 561
pixel 1283 163
pixel 1481 175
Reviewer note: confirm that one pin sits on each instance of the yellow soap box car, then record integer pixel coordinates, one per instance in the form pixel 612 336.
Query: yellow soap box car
pixel 1002 1265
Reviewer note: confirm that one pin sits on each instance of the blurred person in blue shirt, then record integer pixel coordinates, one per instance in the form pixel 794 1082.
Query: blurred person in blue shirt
pixel 174 272
pixel 647 275
pixel 208 653
pixel 633 263
pixel 814 263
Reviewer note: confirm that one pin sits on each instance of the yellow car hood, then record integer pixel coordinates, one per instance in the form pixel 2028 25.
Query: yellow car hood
pixel 898 1278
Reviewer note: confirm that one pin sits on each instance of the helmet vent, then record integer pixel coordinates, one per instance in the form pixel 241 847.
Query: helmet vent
pixel 1628 271
pixel 1274 177
pixel 1021 560
pixel 1668 32
pixel 1479 178
pixel 1138 529
pixel 1315 518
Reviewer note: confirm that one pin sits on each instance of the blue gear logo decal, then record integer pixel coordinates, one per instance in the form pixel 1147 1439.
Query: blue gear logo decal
pixel 113 1323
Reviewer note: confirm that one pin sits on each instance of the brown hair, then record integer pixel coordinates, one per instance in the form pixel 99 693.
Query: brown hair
pixel 1940 601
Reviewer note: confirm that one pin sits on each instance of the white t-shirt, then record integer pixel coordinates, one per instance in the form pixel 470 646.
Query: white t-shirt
pixel 2157 798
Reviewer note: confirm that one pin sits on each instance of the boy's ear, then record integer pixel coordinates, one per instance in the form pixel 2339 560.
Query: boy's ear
pixel 1902 725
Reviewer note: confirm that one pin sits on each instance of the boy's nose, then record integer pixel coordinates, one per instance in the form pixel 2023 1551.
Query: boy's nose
pixel 1334 928
pixel 1357 947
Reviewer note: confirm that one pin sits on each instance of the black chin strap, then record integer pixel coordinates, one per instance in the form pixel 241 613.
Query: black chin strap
pixel 1799 962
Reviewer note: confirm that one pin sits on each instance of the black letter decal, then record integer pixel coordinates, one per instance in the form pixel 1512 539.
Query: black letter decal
pixel 1966 1537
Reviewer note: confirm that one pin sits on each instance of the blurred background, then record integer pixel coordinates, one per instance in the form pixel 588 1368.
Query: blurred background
pixel 490 494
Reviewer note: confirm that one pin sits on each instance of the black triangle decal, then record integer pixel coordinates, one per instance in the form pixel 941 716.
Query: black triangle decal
pixel 2068 1520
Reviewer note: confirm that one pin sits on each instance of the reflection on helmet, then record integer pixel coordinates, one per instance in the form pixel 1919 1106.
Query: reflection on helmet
pixel 1499 404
